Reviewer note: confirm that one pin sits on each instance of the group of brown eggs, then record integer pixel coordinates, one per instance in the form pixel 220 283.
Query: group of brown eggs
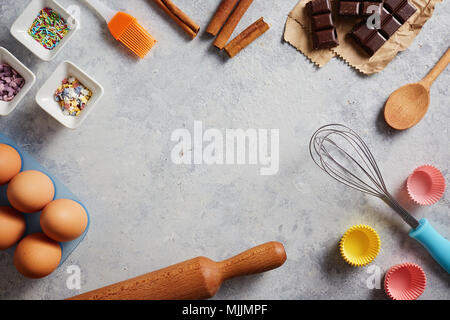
pixel 29 192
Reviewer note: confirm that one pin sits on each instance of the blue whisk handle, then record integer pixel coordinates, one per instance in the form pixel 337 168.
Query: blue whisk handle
pixel 437 245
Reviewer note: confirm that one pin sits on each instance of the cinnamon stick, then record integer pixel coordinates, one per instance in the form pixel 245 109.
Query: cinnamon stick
pixel 254 31
pixel 231 23
pixel 221 15
pixel 182 19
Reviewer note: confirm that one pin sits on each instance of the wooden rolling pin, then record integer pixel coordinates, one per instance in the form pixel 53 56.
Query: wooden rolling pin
pixel 198 278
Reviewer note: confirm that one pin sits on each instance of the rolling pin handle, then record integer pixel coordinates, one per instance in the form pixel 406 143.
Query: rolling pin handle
pixel 262 258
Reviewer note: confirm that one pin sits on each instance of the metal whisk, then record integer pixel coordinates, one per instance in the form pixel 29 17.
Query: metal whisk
pixel 343 154
pixel 328 144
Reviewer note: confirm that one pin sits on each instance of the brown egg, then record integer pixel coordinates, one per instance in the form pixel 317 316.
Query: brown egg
pixel 12 227
pixel 30 191
pixel 64 220
pixel 10 163
pixel 37 256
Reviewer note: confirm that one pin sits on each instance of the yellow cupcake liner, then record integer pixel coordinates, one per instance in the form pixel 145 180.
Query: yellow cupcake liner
pixel 360 245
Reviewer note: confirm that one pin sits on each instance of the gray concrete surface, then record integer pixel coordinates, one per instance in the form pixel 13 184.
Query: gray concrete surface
pixel 148 213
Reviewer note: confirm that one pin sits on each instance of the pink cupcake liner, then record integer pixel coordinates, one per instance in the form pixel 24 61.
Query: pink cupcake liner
pixel 426 185
pixel 406 281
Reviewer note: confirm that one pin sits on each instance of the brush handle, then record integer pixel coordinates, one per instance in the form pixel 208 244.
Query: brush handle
pixel 437 69
pixel 437 245
pixel 103 10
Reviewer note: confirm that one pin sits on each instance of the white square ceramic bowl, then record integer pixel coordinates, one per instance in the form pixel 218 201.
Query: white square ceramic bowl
pixel 19 29
pixel 7 57
pixel 45 97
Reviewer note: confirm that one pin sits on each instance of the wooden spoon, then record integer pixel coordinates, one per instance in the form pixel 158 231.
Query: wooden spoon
pixel 407 105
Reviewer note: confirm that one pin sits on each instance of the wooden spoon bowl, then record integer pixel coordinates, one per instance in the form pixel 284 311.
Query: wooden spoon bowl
pixel 408 105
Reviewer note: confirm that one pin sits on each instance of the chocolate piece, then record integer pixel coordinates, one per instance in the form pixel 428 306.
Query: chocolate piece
pixel 374 43
pixel 384 15
pixel 361 33
pixel 322 21
pixel 320 6
pixel 393 5
pixel 358 8
pixel 349 8
pixel 366 8
pixel 393 15
pixel 369 39
pixel 404 12
pixel 324 33
pixel 325 39
pixel 389 27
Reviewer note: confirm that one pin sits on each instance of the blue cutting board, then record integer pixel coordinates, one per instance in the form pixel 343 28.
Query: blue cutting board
pixel 61 192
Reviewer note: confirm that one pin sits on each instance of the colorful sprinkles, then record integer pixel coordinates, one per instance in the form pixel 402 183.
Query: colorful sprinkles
pixel 72 96
pixel 49 28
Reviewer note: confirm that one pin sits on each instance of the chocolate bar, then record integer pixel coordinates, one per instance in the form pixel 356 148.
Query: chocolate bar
pixel 394 14
pixel 358 8
pixel 324 33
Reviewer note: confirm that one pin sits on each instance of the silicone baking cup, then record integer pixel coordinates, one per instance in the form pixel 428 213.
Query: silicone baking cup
pixel 405 281
pixel 360 245
pixel 426 185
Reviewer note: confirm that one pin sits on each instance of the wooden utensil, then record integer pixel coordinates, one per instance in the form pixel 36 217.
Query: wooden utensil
pixel 407 105
pixel 198 278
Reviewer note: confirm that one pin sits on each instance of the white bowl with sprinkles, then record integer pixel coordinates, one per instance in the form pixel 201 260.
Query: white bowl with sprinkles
pixel 44 27
pixel 69 95
pixel 10 102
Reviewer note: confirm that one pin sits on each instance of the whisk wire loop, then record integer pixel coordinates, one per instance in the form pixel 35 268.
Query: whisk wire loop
pixel 360 184
pixel 371 181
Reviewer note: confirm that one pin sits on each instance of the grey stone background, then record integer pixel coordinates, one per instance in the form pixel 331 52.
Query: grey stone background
pixel 149 213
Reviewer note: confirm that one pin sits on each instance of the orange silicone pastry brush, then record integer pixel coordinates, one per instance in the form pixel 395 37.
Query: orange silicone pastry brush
pixel 125 28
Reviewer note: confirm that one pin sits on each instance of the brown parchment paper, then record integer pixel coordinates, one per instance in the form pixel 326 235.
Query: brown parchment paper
pixel 298 33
